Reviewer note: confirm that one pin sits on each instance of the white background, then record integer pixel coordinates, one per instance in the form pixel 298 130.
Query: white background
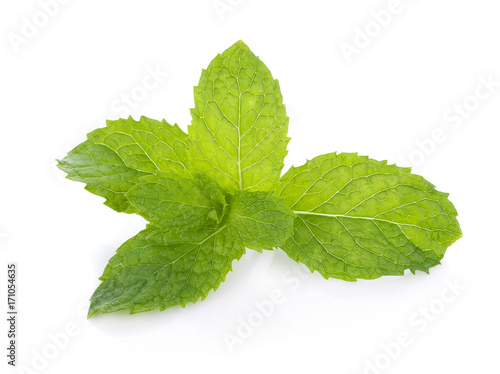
pixel 64 81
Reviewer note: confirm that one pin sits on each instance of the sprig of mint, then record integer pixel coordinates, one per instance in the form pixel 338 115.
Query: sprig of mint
pixel 210 194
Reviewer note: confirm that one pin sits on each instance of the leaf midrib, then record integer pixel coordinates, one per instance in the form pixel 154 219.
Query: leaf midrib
pixel 358 217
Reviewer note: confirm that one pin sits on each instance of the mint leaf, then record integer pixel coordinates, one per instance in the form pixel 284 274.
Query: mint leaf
pixel 157 269
pixel 258 220
pixel 210 194
pixel 182 203
pixel 239 127
pixel 114 158
pixel 361 218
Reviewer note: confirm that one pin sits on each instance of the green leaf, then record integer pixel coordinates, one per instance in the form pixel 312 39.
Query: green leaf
pixel 239 124
pixel 210 194
pixel 361 218
pixel 178 203
pixel 258 220
pixel 114 158
pixel 157 269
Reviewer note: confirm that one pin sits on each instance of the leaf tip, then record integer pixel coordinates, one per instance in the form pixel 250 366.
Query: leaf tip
pixel 241 44
pixel 93 310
